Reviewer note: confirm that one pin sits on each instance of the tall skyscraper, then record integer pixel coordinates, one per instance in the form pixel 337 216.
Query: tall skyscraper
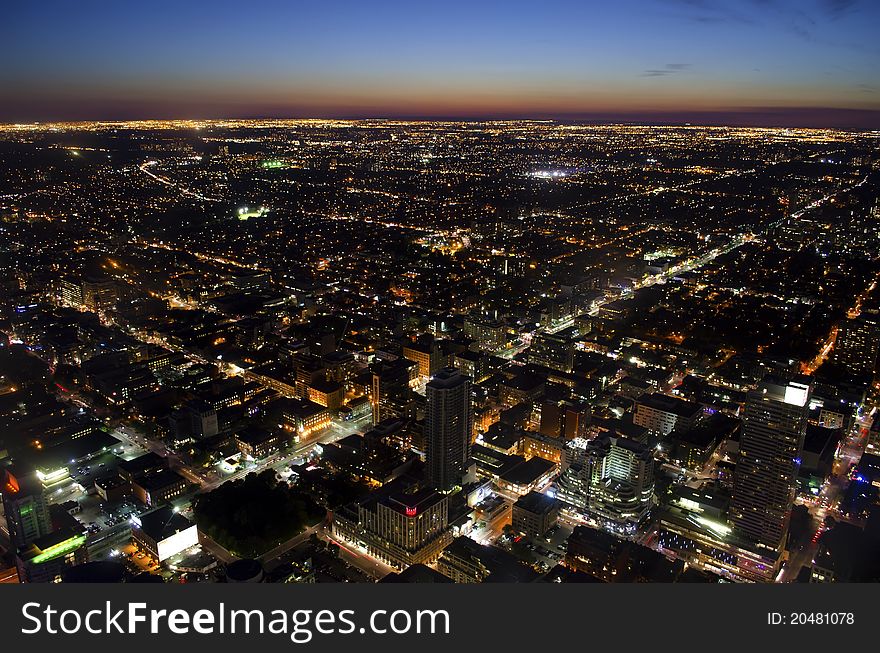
pixel 770 447
pixel 25 507
pixel 447 428
pixel 858 344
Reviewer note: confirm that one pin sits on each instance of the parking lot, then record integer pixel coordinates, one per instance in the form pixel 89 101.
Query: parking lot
pixel 546 552
pixel 138 561
pixel 96 514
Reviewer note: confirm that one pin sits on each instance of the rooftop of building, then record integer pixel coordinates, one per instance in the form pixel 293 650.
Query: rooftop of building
pixel 411 503
pixel 537 503
pixel 669 404
pixel 528 472
pixel 301 407
pixel 143 463
pixel 159 479
pixel 254 435
pixel 326 386
pixel 447 378
pixel 503 566
pixel 162 523
pixel 53 545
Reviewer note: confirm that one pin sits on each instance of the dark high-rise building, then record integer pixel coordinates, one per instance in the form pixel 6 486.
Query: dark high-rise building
pixel 99 294
pixel 447 428
pixel 773 431
pixel 512 266
pixel 858 343
pixel 553 351
pixel 391 395
pixel 564 419
pixel 489 333
pixel 26 509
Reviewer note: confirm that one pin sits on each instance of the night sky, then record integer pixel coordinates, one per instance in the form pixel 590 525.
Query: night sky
pixel 808 62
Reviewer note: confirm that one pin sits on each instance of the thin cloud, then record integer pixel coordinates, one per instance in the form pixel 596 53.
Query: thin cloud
pixel 668 69
pixel 711 11
pixel 837 8
pixel 803 20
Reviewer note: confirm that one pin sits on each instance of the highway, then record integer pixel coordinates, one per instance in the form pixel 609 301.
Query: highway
pixel 698 262
pixel 162 180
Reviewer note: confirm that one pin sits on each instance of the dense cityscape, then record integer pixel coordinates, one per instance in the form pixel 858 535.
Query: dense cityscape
pixel 311 351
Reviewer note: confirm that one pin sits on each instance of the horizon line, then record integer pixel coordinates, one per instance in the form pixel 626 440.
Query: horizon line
pixel 642 119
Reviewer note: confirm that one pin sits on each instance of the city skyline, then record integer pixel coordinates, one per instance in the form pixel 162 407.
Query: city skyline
pixel 420 293
pixel 765 62
pixel 350 351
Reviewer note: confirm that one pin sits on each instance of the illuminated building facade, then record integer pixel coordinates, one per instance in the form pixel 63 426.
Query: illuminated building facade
pixel 329 394
pixel 489 334
pixel 534 514
pixel 609 477
pixel 164 533
pixel 473 364
pixel 71 293
pixel 662 414
pixel 158 487
pixel 552 350
pixel 858 344
pixel 304 417
pixel 257 443
pixel 543 446
pixel 774 426
pixel 401 529
pixel 99 294
pixel 427 354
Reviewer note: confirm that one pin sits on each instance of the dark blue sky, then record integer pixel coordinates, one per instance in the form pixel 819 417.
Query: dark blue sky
pixel 774 61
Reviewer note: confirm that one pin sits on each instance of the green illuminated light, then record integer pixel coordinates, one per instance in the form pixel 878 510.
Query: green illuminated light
pixel 59 550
